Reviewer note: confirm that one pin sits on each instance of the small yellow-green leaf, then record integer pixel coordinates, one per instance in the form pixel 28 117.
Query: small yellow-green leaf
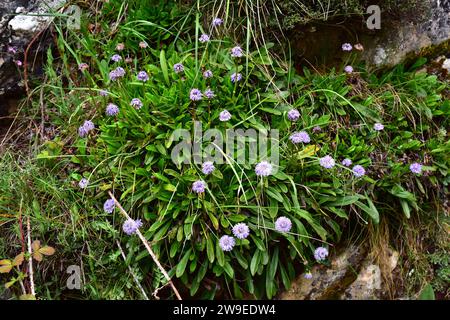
pixel 18 260
pixel 47 250
pixel 5 266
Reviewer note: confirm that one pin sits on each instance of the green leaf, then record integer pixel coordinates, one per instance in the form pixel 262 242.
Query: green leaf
pixel 427 293
pixel 254 264
pixel 181 267
pixel 164 69
pixel 210 249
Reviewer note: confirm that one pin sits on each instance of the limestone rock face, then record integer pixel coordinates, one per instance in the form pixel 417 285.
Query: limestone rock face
pixel 351 275
pixel 18 25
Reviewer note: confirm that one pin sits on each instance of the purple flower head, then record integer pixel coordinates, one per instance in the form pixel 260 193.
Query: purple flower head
pixel 208 167
pixel 178 67
pixel 241 231
pixel 117 73
pixel 131 226
pixel 195 95
pixel 142 76
pixel 358 171
pixel 224 116
pixel 199 186
pixel 209 93
pixel 378 126
pixel 327 162
pixel 207 74
pixel 283 224
pixel 237 52
pixel 300 137
pixel 136 103
pixel 82 132
pixel 293 115
pixel 83 66
pixel 308 275
pixel 116 58
pixel 347 162
pixel 263 169
pixel 236 77
pixel 112 110
pixel 103 93
pixel 348 69
pixel 227 243
pixel 109 206
pixel 217 22
pixel 416 168
pixel 347 47
pixel 18 63
pixel 88 125
pixel 203 38
pixel 321 253
pixel 83 183
pixel 317 129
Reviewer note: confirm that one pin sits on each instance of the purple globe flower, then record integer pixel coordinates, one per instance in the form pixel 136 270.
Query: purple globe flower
pixel 293 115
pixel 378 126
pixel 227 243
pixel 209 93
pixel 320 254
pixel 142 76
pixel 416 168
pixel 283 224
pixel 117 73
pixel 300 137
pixel 263 169
pixel 347 162
pixel 224 116
pixel 241 231
pixel 131 226
pixel 348 69
pixel 347 47
pixel 236 77
pixel 12 50
pixel 217 22
pixel 83 183
pixel 136 103
pixel 195 95
pixel 327 162
pixel 178 67
pixel 103 93
pixel 237 52
pixel 199 186
pixel 358 171
pixel 207 74
pixel 82 132
pixel 116 58
pixel 208 167
pixel 308 275
pixel 88 125
pixel 112 110
pixel 109 206
pixel 204 38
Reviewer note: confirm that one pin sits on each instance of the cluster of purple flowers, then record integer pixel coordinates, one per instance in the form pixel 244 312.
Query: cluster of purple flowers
pixel 195 95
pixel 416 168
pixel 358 171
pixel 236 77
pixel 87 126
pixel 130 226
pixel 224 116
pixel 117 73
pixel 293 115
pixel 378 126
pixel 237 52
pixel 320 253
pixel 199 186
pixel 178 67
pixel 217 22
pixel 136 103
pixel 300 137
pixel 83 66
pixel 327 162
pixel 116 58
pixel 263 169
pixel 207 74
pixel 112 110
pixel 109 206
pixel 347 162
pixel 142 76
pixel 204 38
pixel 209 93
pixel 240 231
pixel 283 224
pixel 83 183
pixel 208 167
pixel 348 69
